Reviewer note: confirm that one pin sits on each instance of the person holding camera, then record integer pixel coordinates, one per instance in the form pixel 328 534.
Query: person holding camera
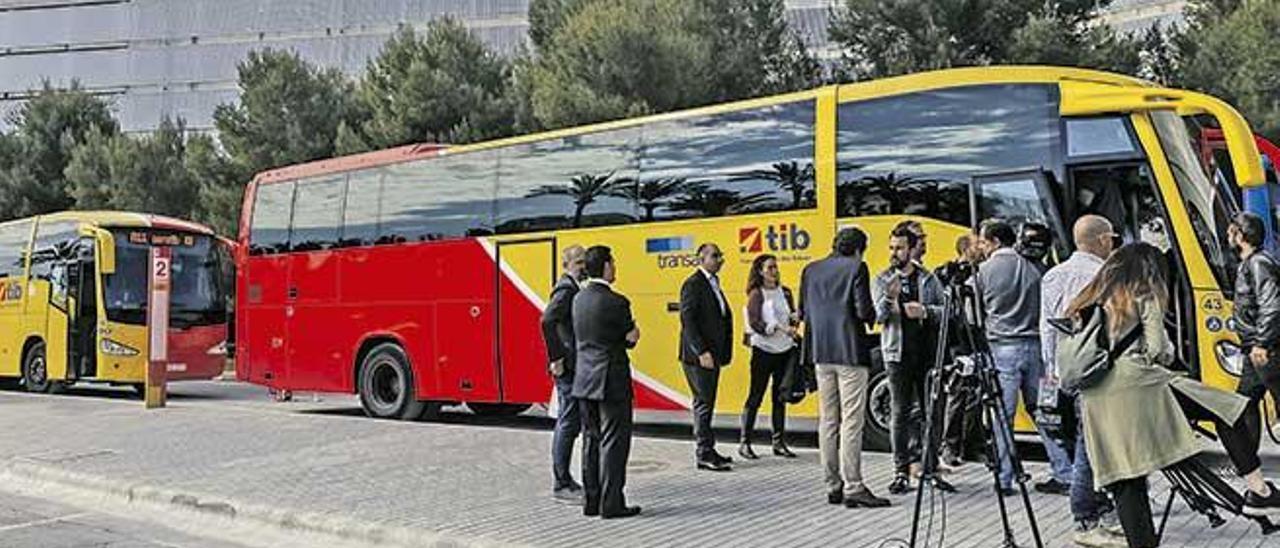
pixel 771 334
pixel 1009 290
pixel 908 302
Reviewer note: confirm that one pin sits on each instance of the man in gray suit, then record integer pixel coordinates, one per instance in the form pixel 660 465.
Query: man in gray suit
pixel 605 330
pixel 836 308
pixel 562 349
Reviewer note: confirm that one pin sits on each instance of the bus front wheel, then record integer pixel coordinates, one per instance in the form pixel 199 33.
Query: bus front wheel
pixel 385 384
pixel 35 371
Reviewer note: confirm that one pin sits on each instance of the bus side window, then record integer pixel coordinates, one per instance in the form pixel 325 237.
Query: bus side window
pixel 14 238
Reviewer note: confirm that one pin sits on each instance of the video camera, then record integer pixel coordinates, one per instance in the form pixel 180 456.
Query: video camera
pixel 954 273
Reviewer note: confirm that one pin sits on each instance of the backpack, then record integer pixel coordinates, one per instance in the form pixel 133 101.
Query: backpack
pixel 1085 354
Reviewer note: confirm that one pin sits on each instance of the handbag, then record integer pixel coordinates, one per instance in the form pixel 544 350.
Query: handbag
pixel 1085 355
pixel 798 379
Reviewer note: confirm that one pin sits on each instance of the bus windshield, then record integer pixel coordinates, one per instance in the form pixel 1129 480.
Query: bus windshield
pixel 198 293
pixel 1205 204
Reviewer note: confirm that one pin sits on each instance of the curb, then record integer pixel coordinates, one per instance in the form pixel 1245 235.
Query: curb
pixel 213 516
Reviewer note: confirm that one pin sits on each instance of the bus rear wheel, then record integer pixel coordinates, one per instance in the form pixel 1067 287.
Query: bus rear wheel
pixel 35 372
pixel 385 384
pixel 498 409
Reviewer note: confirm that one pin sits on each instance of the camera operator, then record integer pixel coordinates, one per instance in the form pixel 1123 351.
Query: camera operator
pixel 962 430
pixel 1009 290
pixel 908 302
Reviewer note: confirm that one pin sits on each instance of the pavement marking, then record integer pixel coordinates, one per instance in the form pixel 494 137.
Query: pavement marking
pixel 47 521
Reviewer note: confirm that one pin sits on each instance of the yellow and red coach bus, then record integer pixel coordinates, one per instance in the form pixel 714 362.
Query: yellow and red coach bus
pixel 416 276
pixel 73 298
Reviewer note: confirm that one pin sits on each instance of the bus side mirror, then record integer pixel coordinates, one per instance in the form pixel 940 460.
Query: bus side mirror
pixel 106 251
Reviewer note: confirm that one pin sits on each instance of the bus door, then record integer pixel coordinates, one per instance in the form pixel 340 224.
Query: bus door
pixel 63 272
pixel 82 287
pixel 1018 196
pixel 524 280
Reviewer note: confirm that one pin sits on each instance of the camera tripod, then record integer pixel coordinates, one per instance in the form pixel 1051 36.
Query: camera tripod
pixel 976 375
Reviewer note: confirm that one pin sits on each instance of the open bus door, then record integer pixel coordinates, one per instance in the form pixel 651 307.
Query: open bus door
pixel 1263 200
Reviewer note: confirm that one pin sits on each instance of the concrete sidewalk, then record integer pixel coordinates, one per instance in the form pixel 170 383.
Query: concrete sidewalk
pixel 316 468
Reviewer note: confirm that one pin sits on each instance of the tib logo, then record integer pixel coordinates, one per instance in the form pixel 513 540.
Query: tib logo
pixel 783 237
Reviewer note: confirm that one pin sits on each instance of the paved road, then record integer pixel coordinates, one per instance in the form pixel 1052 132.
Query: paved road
pixel 27 522
pixel 465 478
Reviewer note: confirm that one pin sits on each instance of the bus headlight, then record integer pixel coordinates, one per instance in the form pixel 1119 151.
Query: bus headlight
pixel 1230 357
pixel 219 349
pixel 113 348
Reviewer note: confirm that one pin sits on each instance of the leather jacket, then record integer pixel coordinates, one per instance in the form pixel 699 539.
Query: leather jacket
pixel 1257 301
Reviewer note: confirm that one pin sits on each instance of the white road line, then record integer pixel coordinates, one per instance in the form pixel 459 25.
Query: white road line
pixel 40 522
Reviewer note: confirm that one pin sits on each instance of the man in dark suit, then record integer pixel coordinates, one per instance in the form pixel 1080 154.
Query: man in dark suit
pixel 557 332
pixel 706 345
pixel 605 330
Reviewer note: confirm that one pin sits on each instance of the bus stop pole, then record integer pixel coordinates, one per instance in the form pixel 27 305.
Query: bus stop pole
pixel 158 326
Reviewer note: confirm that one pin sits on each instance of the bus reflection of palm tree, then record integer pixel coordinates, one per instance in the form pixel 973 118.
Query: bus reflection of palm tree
pixel 891 193
pixel 788 177
pixel 717 202
pixel 652 194
pixel 583 189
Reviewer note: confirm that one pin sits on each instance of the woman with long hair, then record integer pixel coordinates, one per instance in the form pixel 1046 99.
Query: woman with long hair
pixel 1133 423
pixel 771 333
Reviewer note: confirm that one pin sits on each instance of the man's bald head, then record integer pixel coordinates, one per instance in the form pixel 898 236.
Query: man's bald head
pixel 1093 234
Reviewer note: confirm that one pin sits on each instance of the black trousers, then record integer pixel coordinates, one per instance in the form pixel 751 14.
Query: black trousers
pixel 1240 440
pixel 1133 507
pixel 703 383
pixel 766 367
pixel 606 446
pixel 907 390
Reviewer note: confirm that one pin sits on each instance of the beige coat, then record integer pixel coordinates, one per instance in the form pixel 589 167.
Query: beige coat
pixel 1133 425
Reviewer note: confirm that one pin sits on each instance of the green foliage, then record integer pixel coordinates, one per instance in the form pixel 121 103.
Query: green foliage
pixel 891 38
pixel 220 185
pixel 46 130
pixel 289 111
pixel 1236 57
pixel 145 173
pixel 606 59
pixel 1050 40
pixel 445 86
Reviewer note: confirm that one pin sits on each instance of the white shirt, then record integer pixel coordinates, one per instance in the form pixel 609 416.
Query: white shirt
pixel 1061 285
pixel 776 314
pixel 715 285
pixel 600 281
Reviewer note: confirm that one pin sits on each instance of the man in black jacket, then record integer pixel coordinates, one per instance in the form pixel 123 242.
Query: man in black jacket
pixel 1257 320
pixel 605 330
pixel 706 333
pixel 557 332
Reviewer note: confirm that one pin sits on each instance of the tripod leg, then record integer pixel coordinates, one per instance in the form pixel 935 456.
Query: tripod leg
pixel 1164 519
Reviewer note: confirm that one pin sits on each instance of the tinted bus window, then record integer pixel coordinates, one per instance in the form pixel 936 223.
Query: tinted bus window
pixel 317 212
pixel 576 181
pixel 734 163
pixel 915 154
pixel 360 216
pixel 14 238
pixel 437 199
pixel 272 210
pixel 54 242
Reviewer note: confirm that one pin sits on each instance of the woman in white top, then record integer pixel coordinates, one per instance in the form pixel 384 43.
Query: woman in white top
pixel 771 332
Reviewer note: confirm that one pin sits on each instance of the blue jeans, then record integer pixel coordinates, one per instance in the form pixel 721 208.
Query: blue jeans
pixel 1087 505
pixel 568 426
pixel 1020 369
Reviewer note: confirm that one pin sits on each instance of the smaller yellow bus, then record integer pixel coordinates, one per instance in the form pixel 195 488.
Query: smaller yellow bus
pixel 74 294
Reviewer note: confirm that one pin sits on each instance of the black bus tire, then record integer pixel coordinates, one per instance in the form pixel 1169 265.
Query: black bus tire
pixel 875 436
pixel 35 371
pixel 385 384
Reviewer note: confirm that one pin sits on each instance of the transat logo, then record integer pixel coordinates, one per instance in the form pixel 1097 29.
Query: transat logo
pixel 783 237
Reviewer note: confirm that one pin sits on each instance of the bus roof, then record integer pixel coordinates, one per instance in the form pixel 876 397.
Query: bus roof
pixel 125 219
pixel 938 79
pixel 354 161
